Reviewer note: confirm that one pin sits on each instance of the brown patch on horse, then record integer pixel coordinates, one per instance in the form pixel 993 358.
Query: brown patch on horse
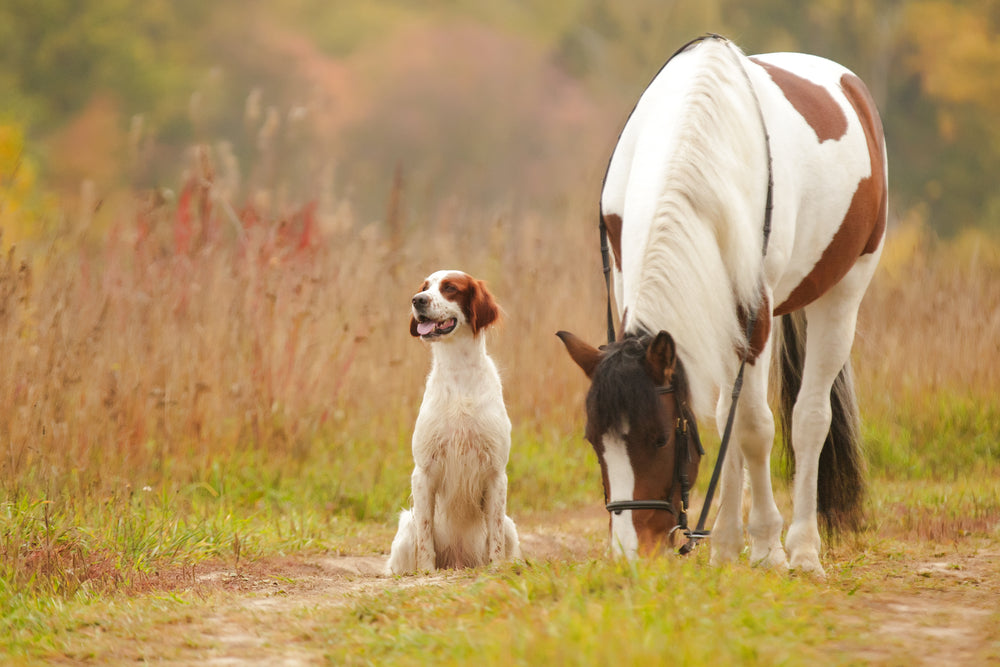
pixel 613 223
pixel 863 226
pixel 872 195
pixel 814 103
pixel 652 528
pixel 761 330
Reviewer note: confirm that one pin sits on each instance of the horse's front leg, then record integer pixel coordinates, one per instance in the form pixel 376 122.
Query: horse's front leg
pixel 756 437
pixel 749 451
pixel 727 531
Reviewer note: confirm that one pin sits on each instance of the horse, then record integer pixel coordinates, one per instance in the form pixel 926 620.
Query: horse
pixel 745 207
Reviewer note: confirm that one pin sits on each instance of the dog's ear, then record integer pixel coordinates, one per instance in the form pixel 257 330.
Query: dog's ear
pixel 413 327
pixel 482 309
pixel 585 355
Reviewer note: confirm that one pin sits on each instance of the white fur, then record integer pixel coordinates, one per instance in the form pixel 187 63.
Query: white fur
pixel 461 443
pixel 621 483
pixel 671 166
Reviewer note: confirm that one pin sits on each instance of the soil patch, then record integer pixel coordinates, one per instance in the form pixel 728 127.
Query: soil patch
pixel 938 609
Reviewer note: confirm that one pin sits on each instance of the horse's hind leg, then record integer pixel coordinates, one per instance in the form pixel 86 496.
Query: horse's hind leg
pixel 830 326
pixel 828 342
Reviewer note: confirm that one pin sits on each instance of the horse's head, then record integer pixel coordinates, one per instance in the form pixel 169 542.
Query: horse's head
pixel 644 433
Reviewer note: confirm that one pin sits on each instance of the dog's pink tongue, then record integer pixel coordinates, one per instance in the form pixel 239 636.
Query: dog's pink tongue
pixel 424 328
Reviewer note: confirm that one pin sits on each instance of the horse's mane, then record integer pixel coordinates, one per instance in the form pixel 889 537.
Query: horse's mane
pixel 620 389
pixel 701 262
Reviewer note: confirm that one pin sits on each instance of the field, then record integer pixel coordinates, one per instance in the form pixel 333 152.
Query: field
pixel 205 416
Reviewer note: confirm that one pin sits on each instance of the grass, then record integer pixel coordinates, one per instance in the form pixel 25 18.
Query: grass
pixel 581 611
pixel 575 612
pixel 188 385
pixel 593 612
pixel 948 437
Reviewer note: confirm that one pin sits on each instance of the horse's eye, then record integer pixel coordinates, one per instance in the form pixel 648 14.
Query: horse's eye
pixel 661 442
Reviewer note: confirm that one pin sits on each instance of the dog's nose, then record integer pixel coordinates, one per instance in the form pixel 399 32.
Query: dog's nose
pixel 421 300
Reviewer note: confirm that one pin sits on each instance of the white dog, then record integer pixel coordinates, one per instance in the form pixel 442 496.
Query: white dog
pixel 461 440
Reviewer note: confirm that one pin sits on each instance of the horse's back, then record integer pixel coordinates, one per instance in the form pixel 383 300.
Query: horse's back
pixel 828 162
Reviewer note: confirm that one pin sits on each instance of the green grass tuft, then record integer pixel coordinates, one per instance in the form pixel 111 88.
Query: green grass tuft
pixel 595 613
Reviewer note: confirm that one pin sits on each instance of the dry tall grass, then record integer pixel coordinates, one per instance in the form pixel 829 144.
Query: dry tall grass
pixel 190 332
pixel 930 324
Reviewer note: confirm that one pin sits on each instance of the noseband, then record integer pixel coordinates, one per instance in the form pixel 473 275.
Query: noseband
pixel 682 443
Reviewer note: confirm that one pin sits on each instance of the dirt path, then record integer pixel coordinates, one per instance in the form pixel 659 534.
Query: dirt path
pixel 942 611
pixel 936 611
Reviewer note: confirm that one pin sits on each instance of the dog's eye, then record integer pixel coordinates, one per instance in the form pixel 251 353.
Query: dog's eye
pixel 448 289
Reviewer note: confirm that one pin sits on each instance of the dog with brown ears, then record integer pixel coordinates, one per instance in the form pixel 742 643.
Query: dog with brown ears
pixel 461 440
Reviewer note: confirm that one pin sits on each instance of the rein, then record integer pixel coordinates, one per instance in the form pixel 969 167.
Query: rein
pixel 699 533
pixel 607 278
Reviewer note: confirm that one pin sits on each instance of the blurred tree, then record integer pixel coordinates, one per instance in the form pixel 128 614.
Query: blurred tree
pixel 24 207
pixel 56 54
pixel 946 110
pixel 471 115
pixel 298 85
pixel 620 46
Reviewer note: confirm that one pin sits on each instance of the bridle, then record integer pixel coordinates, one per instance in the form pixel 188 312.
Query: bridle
pixel 680 473
pixel 685 434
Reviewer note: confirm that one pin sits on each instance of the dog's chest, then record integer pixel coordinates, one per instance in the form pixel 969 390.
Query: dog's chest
pixel 462 422
pixel 462 429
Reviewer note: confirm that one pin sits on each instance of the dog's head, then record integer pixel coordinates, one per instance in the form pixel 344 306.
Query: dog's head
pixel 449 301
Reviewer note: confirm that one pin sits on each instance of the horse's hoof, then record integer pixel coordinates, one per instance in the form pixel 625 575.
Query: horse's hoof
pixel 773 558
pixel 808 565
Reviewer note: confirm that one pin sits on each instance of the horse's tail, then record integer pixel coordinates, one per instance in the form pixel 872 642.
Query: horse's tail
pixel 841 483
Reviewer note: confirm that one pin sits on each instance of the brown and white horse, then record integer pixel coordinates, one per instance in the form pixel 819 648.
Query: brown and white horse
pixel 684 202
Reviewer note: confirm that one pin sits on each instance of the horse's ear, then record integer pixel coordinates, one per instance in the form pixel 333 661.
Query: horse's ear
pixel 661 355
pixel 585 355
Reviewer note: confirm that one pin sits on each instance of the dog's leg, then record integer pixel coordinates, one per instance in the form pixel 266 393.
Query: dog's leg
pixel 495 508
pixel 402 556
pixel 512 548
pixel 423 491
